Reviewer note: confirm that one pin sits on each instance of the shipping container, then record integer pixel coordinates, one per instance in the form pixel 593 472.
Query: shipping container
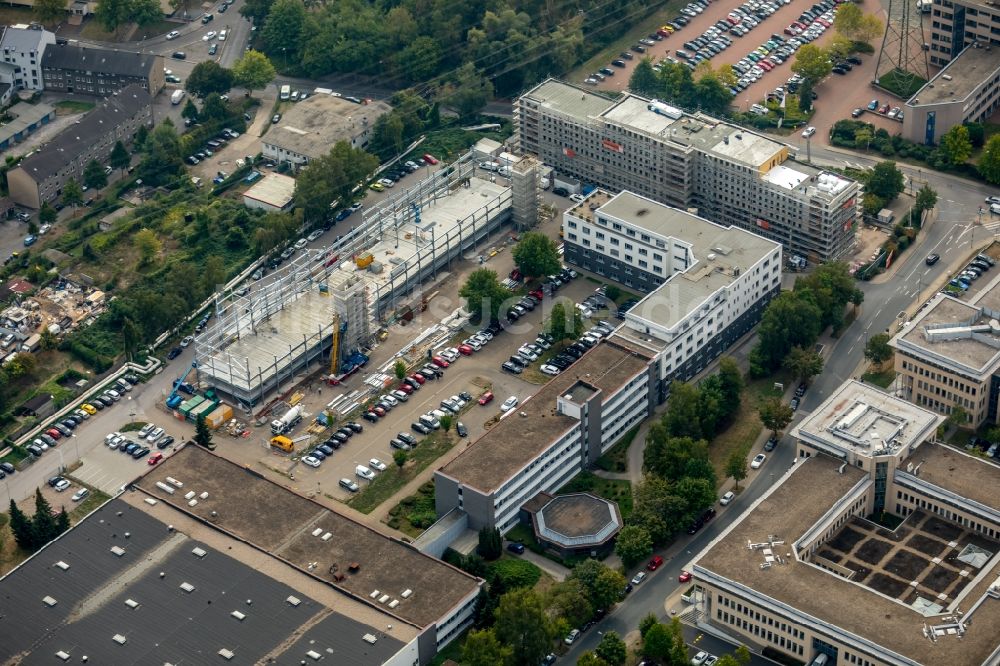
pixel 219 416
pixel 190 404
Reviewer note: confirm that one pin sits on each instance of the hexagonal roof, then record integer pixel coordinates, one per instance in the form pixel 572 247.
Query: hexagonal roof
pixel 578 520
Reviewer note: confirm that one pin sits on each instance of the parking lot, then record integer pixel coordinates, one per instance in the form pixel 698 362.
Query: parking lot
pixel 108 469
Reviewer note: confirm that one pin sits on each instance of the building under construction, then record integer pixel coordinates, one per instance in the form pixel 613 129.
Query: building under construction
pixel 323 308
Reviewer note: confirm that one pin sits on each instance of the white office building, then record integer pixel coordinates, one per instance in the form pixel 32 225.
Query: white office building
pixel 22 47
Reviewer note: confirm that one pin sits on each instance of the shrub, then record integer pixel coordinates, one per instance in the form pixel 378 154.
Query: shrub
pixel 515 573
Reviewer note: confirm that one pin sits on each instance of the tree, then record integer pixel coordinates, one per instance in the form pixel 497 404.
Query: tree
pixel 49 11
pixel 399 368
pixel 956 144
pixel 683 415
pixel 736 466
pixel 139 141
pixel 730 381
pixel 283 28
pixel 870 28
pixel 62 521
pixel 72 194
pixel 711 95
pixel 646 623
pixel 658 643
pixel 94 176
pixel 877 350
pixel 445 422
pixel 47 214
pixel 399 457
pixel 330 178
pixel 214 108
pixel 669 457
pixel 926 198
pixel 644 80
pixel 742 655
pixel 774 414
pixel 536 254
pixel 633 545
pixel 207 77
pixel 119 158
pixel 806 95
pixel 789 321
pixel 569 601
pixel 490 543
pixel 989 163
pixel 522 624
pixel 885 181
pixel 202 433
pixel 190 111
pixel 144 12
pixel 603 584
pixel 847 20
pixel 812 62
pixel 112 14
pixel 564 322
pixel 147 244
pixel 481 648
pixel 20 526
pixel 588 658
pixel 420 59
pixel 483 294
pixel 864 136
pixel 803 363
pixel 467 92
pixel 162 161
pixel 958 416
pixel 253 71
pixel 612 292
pixel 840 47
pixel 43 523
pixel 612 649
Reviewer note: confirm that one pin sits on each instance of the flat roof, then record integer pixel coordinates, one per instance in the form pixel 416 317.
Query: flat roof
pixel 568 99
pixel 312 126
pixel 863 419
pixel 812 486
pixel 960 78
pixel 171 599
pixel 283 523
pixel 719 253
pixel 516 440
pixel 274 189
pixel 970 477
pixel 578 519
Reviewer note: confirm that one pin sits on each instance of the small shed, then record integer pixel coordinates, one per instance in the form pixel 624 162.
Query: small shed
pixel 273 193
pixel 41 406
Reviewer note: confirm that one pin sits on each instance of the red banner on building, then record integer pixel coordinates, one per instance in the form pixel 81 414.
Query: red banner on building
pixel 569 152
pixel 763 224
pixel 611 145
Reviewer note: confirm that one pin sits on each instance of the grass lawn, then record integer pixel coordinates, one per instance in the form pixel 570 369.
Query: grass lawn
pixel 389 482
pixel 617 490
pixel 415 513
pixel 71 106
pixel 880 378
pixel 900 83
pixel 96 499
pixel 616 458
pixel 746 426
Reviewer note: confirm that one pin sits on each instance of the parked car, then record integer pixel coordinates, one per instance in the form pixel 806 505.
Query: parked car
pixel 516 547
pixel 654 563
pixel 758 460
pixel 509 404
pixel 727 498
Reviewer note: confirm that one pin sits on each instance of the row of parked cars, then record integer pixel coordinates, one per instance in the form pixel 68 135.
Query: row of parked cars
pixel 979 265
pixel 150 434
pixel 50 437
pixel 212 145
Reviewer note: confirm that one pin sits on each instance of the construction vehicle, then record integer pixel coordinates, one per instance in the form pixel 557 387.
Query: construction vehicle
pixel 287 421
pixel 174 399
pixel 287 445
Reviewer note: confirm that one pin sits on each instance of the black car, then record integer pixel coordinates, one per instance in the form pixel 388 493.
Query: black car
pixel 174 353
pixel 854 60
pixel 516 547
pixel 370 416
pixel 165 442
pixel 932 259
pixel 345 431
pixel 178 55
pixel 839 70
pixel 772 442
pixel 339 437
pixel 54 481
pixel 399 444
pixel 34 450
pixel 407 437
pixel 639 48
pixel 318 454
pixel 560 191
pixel 7 467
pixel 512 368
pixel 102 400
pixel 618 62
pixel 420 427
pixel 461 429
pixel 356 427
pixel 140 452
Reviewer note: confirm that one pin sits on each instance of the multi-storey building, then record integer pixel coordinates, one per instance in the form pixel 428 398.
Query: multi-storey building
pixel 955 24
pixel 825 584
pixel 967 90
pixel 707 284
pixel 23 48
pixel 41 176
pixel 949 355
pixel 731 175
pixel 103 72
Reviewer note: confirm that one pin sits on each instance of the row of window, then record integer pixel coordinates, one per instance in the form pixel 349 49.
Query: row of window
pixel 948 379
pixel 759 631
pixel 933 507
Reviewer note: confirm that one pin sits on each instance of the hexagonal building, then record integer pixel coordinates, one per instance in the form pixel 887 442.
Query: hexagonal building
pixel 575 524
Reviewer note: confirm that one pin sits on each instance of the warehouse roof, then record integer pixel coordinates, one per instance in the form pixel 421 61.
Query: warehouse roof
pixel 274 189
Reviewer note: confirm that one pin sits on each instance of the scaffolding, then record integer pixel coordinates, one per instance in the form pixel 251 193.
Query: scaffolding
pixel 525 185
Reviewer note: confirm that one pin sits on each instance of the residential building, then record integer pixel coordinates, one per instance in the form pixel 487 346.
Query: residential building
pixel 24 47
pixel 729 174
pixel 824 583
pixel 274 193
pixel 27 119
pixel 311 127
pixel 41 176
pixel 956 24
pixel 707 284
pixel 967 90
pixel 549 438
pixel 949 355
pixel 103 72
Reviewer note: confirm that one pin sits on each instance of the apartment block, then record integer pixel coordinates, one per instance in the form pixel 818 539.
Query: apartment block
pixel 949 355
pixel 826 584
pixel 967 90
pixel 102 72
pixel 956 24
pixel 41 176
pixel 23 47
pixel 728 174
pixel 707 284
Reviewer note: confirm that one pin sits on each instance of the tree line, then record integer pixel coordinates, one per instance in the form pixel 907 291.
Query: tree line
pixel 704 89
pixel 33 533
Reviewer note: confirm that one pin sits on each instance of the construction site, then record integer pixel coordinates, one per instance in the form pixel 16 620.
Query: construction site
pixel 60 307
pixel 325 307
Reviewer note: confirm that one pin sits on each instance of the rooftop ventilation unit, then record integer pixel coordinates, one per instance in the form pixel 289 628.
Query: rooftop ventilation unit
pixel 238 615
pixel 293 601
pixel 204 495
pixel 187 587
pixel 393 603
pixel 327 536
pixel 118 638
pixel 117 550
pixel 49 601
pixel 174 482
pixel 164 487
pixel 63 655
pixel 315 656
pixel 406 593
pixel 198 552
pixel 316 532
pixel 853 416
pixel 369 638
pixel 226 654
pixel 384 598
pixel 150 501
pixel 62 565
pixel 193 502
pixel 189 495
pixel 374 595
pixel 132 603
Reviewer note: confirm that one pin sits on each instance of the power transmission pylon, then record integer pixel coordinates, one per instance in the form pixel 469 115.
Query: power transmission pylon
pixel 903 54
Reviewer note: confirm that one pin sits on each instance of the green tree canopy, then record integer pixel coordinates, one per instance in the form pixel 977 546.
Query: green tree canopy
pixel 885 181
pixel 789 321
pixel 612 649
pixel 644 80
pixel 48 11
pixel 927 198
pixel 568 600
pixel 72 193
pixel 775 414
pixel 207 77
pixel 956 144
pixel 283 28
pixel 490 543
pixel 803 363
pixel 633 545
pixel 812 62
pixel 989 163
pixel 683 415
pixel 331 178
pixel 536 254
pixel 483 294
pixel 603 584
pixel 162 161
pixel 523 625
pixel 467 92
pixel 877 350
pixel 253 71
pixel 736 465
pixel 47 214
pixel 481 648
pixel 147 244
pixel 119 159
pixel 94 176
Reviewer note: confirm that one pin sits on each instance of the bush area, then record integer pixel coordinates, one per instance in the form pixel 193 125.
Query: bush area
pixel 512 572
pixel 901 84
pixel 415 513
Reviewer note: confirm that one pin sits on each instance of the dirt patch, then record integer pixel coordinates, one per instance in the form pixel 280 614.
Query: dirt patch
pixel 906 565
pixel 940 578
pixel 941 529
pixel 887 585
pixel 926 545
pixel 846 540
pixel 830 555
pixel 873 550
pixel 860 571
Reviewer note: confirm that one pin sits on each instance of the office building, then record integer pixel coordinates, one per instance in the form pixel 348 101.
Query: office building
pixel 310 128
pixel 24 47
pixel 707 284
pixel 949 355
pixel 825 584
pixel 103 72
pixel 41 176
pixel 967 90
pixel 731 175
pixel 956 24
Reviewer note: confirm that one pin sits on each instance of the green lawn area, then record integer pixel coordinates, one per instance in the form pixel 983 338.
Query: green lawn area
pixel 96 499
pixel 880 378
pixel 902 84
pixel 415 513
pixel 616 458
pixel 746 426
pixel 617 490
pixel 388 483
pixel 70 106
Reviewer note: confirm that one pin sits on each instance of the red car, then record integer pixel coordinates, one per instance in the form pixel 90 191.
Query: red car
pixel 884 109
pixel 155 458
pixel 684 577
pixel 420 379
pixel 440 362
pixel 655 563
pixel 406 388
pixel 516 275
pixel 486 398
pixel 378 410
pixel 537 294
pixel 465 350
pixel 430 159
pixel 53 433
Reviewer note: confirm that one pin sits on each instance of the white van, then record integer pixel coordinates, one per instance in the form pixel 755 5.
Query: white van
pixel 364 472
pixel 176 97
pixel 489 166
pixel 286 92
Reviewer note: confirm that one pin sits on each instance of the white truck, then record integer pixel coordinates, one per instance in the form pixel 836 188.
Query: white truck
pixel 285 93
pixel 176 97
pixel 571 185
pixel 287 421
